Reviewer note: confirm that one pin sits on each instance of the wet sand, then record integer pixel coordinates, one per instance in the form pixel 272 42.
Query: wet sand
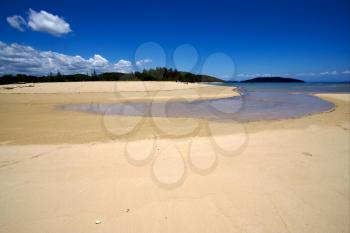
pixel 63 171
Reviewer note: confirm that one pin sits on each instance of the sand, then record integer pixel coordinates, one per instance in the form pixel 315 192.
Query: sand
pixel 62 171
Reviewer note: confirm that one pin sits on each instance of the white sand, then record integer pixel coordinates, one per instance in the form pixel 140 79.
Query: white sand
pixel 290 176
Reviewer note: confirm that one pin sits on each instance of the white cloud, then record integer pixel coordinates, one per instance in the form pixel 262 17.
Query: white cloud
pixel 306 74
pixel 46 22
pixel 253 75
pixel 329 73
pixel 123 63
pixel 124 66
pixel 16 58
pixel 143 62
pixel 98 61
pixel 17 22
pixel 313 74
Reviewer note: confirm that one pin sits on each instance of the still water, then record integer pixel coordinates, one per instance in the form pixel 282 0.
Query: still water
pixel 258 101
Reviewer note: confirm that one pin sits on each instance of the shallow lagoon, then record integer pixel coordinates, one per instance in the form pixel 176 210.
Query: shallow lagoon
pixel 267 101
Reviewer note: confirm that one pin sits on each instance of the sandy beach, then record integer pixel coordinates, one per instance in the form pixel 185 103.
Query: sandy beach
pixel 67 171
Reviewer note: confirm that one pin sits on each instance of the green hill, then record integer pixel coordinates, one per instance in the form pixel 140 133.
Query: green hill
pixel 272 80
pixel 158 74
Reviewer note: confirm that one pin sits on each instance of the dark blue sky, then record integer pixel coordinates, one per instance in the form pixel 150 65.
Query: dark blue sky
pixel 298 38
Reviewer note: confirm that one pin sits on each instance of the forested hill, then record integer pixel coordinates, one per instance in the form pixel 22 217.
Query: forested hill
pixel 158 74
pixel 272 80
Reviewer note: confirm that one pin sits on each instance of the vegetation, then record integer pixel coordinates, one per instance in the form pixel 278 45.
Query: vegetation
pixel 157 74
pixel 273 80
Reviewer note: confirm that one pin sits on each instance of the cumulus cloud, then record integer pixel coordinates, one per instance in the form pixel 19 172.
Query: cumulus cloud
pixel 44 21
pixel 17 22
pixel 346 72
pixel 16 58
pixel 98 61
pixel 41 21
pixel 124 65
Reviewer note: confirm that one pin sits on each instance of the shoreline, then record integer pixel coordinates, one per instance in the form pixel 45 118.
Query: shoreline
pixel 24 114
pixel 61 172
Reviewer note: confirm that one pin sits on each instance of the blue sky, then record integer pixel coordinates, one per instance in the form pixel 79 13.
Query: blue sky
pixel 230 39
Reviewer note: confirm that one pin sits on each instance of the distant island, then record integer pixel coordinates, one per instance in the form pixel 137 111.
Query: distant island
pixel 157 74
pixel 272 80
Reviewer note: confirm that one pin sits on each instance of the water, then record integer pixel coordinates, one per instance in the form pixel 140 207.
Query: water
pixel 259 101
pixel 305 88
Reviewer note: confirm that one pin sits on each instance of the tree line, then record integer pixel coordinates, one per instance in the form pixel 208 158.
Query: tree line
pixel 157 74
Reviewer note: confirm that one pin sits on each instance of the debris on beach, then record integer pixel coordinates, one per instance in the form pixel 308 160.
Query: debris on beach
pixel 98 222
